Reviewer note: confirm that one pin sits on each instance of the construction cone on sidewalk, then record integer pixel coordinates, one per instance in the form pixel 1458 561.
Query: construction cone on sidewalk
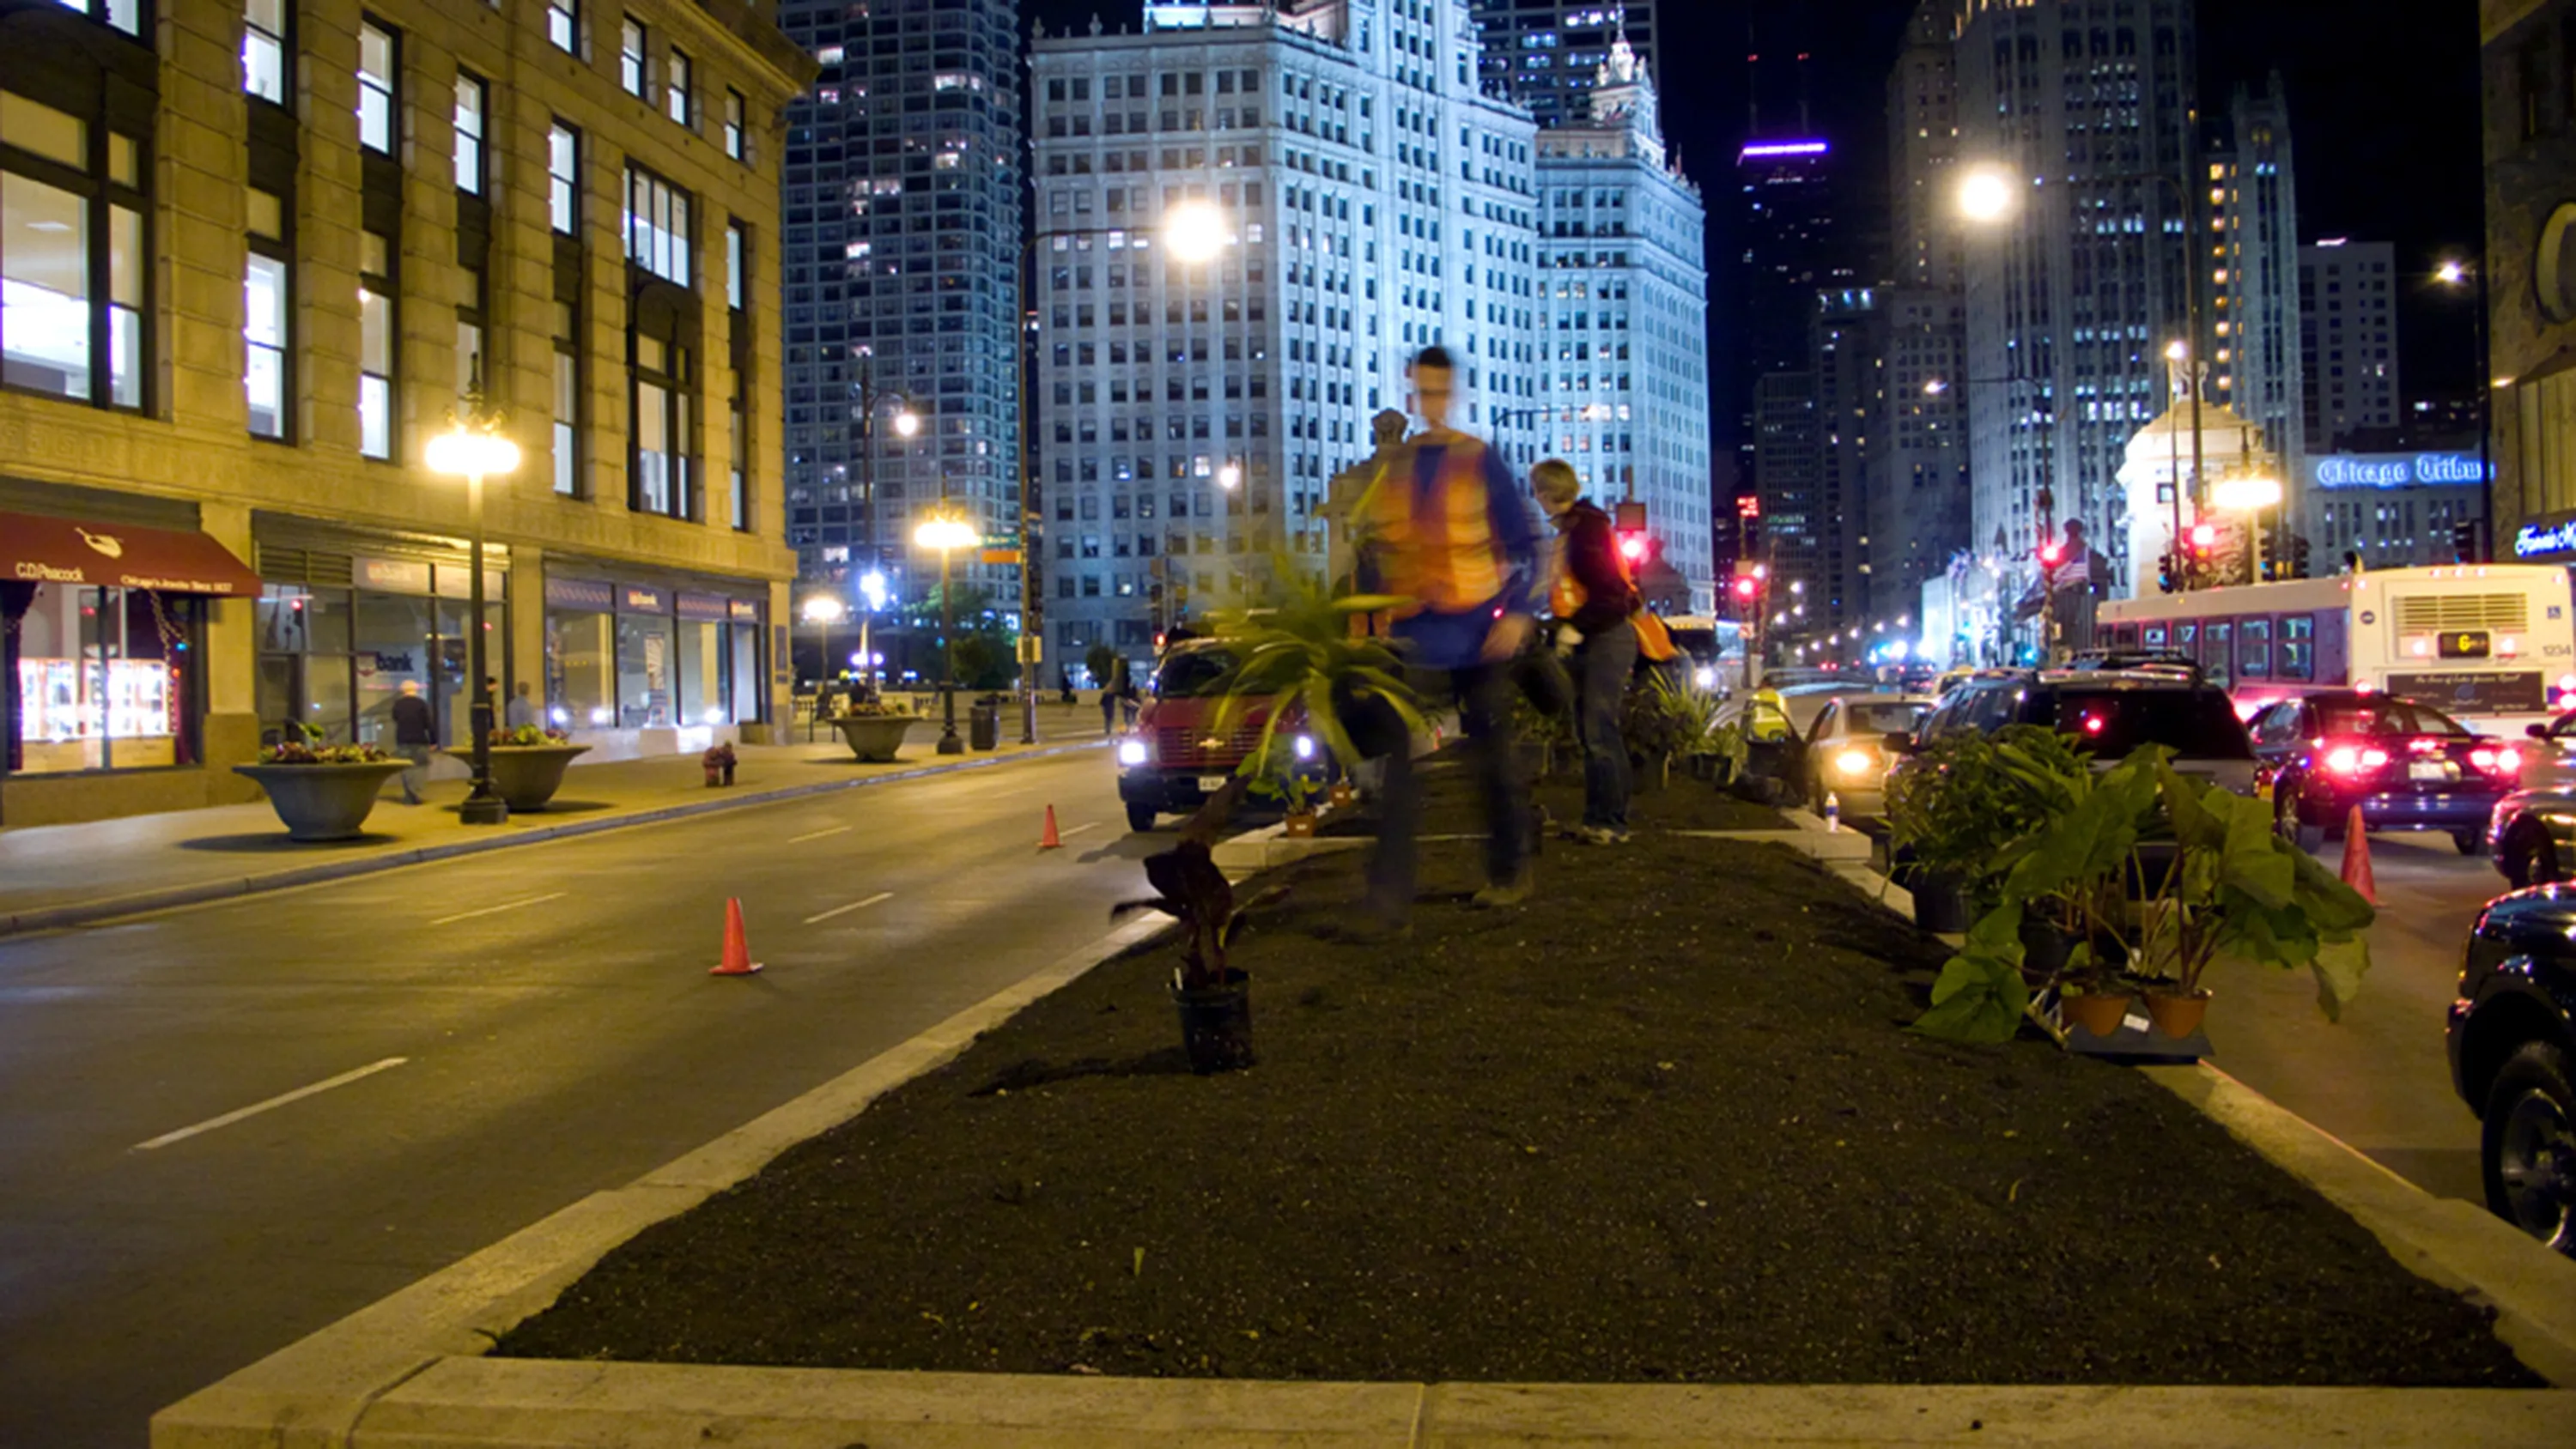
pixel 1050 840
pixel 2356 857
pixel 737 950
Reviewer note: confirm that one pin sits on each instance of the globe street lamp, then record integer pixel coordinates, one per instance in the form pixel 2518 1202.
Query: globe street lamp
pixel 2457 273
pixel 2249 496
pixel 822 611
pixel 946 529
pixel 472 448
pixel 1193 232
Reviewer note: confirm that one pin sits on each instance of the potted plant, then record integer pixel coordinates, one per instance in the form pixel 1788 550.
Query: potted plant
pixel 1339 795
pixel 1214 1000
pixel 319 791
pixel 1952 808
pixel 1661 721
pixel 1295 791
pixel 718 762
pixel 1301 658
pixel 528 763
pixel 874 731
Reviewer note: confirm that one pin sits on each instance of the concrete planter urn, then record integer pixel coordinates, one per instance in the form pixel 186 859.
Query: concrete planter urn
pixel 323 802
pixel 526 776
pixel 875 738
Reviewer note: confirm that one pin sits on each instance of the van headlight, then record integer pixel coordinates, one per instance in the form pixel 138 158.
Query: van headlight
pixel 1705 676
pixel 1305 747
pixel 1855 762
pixel 1132 753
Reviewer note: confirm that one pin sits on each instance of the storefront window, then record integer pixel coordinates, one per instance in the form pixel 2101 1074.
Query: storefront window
pixel 392 649
pixel 581 679
pixel 746 673
pixel 702 668
pixel 104 681
pixel 336 659
pixel 644 671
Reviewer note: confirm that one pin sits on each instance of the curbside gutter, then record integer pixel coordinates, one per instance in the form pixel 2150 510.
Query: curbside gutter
pixel 409 1371
pixel 82 913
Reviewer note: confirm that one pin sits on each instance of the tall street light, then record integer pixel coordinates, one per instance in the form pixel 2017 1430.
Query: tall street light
pixel 1194 232
pixel 1988 195
pixel 473 449
pixel 947 530
pixel 907 425
pixel 872 587
pixel 2456 273
pixel 2249 496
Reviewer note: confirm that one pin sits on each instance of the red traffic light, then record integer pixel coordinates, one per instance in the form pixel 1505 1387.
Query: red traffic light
pixel 1746 586
pixel 2050 553
pixel 1632 547
pixel 2204 536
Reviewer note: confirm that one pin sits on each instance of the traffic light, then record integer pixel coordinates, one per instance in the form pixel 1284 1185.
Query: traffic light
pixel 1633 547
pixel 2298 555
pixel 2464 541
pixel 1747 588
pixel 2050 553
pixel 2204 538
pixel 2168 576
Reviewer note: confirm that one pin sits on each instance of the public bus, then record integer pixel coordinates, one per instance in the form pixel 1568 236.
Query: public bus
pixel 2490 644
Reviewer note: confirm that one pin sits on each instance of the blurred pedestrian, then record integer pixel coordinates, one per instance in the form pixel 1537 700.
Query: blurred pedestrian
pixel 1592 599
pixel 415 734
pixel 1444 527
pixel 523 707
pixel 1112 689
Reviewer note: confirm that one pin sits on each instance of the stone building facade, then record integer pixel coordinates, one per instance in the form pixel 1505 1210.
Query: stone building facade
pixel 255 254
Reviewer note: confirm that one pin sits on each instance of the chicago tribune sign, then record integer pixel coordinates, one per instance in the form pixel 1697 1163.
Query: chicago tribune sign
pixel 2393 470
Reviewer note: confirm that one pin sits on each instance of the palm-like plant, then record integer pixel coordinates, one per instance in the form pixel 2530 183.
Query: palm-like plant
pixel 1303 651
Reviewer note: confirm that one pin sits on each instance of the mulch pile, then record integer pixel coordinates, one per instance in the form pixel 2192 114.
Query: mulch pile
pixel 1663 1125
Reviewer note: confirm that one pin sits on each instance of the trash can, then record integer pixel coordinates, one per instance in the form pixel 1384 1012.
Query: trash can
pixel 984 723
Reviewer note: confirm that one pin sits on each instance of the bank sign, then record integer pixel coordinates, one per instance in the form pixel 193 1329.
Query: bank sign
pixel 2393 470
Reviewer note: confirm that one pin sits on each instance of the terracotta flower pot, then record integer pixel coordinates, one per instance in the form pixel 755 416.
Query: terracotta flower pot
pixel 1301 826
pixel 2177 1016
pixel 2099 1012
pixel 1340 797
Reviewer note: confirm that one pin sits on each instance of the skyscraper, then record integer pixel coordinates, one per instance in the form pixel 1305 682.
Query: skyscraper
pixel 1624 333
pixel 1191 416
pixel 2257 362
pixel 1546 54
pixel 2348 339
pixel 1918 504
pixel 903 226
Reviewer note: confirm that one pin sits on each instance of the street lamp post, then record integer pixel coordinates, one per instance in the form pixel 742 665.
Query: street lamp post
pixel 1195 232
pixel 947 530
pixel 2452 274
pixel 872 587
pixel 472 448
pixel 822 611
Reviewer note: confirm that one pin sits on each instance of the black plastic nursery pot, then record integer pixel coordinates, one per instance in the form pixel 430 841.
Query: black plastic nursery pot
pixel 1940 902
pixel 1216 1024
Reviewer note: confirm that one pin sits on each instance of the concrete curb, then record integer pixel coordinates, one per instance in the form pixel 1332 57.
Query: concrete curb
pixel 1258 850
pixel 408 1372
pixel 81 913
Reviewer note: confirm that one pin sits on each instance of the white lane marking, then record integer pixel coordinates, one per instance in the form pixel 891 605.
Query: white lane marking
pixel 819 834
pixel 1077 830
pixel 496 910
pixel 852 906
pixel 255 1108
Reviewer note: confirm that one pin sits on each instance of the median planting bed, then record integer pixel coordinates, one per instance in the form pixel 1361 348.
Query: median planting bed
pixel 1661 1126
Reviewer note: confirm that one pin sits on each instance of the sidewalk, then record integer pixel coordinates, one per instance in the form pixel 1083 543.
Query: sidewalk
pixel 53 876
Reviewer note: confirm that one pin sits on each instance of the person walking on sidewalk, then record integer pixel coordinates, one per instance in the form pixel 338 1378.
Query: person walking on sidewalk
pixel 522 710
pixel 1444 526
pixel 1113 688
pixel 1592 599
pixel 415 734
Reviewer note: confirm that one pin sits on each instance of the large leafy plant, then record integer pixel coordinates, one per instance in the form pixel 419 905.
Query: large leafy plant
pixel 1956 805
pixel 1302 653
pixel 2233 889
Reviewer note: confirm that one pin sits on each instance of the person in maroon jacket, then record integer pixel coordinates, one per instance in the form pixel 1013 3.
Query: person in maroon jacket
pixel 1592 599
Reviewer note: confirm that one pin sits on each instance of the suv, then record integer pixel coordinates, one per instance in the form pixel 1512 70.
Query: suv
pixel 1170 763
pixel 2112 712
pixel 2511 1045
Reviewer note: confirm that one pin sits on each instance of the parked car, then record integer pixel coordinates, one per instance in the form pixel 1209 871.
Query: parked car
pixel 2550 762
pixel 2512 1038
pixel 1172 762
pixel 1846 750
pixel 2111 712
pixel 2407 765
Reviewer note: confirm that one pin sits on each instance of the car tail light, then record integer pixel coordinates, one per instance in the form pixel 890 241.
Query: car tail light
pixel 2421 745
pixel 2506 762
pixel 2355 759
pixel 1855 762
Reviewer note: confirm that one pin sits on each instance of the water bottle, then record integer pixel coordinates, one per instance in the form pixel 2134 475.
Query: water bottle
pixel 1833 811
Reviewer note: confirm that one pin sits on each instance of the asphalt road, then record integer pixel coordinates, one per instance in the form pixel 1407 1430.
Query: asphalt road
pixel 541 1024
pixel 2379 1079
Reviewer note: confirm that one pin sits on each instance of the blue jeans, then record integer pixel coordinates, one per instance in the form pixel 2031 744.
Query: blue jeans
pixel 1484 695
pixel 1601 669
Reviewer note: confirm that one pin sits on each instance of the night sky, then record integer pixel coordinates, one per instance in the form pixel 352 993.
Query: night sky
pixel 2383 104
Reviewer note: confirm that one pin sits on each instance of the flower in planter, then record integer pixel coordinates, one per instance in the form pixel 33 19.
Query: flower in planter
pixel 526 735
pixel 877 709
pixel 308 749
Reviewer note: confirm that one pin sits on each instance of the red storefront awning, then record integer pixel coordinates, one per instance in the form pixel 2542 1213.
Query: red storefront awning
pixel 40 550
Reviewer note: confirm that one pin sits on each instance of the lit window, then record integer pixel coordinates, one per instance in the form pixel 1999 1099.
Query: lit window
pixel 657 226
pixel 471 103
pixel 630 58
pixel 264 49
pixel 675 94
pixel 563 178
pixel 733 122
pixel 563 25
pixel 68 304
pixel 737 263
pixel 264 312
pixel 376 61
pixel 375 345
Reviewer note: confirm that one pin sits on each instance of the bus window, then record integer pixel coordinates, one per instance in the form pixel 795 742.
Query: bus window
pixel 2298 646
pixel 2154 636
pixel 2254 649
pixel 2217 655
pixel 2186 640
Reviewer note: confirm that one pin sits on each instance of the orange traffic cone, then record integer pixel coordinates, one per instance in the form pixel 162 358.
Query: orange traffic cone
pixel 737 950
pixel 1050 840
pixel 2356 857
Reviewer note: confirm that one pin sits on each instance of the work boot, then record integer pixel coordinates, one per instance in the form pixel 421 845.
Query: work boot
pixel 1503 894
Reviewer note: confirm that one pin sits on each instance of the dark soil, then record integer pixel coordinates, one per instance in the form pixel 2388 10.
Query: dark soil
pixel 1684 804
pixel 1662 1125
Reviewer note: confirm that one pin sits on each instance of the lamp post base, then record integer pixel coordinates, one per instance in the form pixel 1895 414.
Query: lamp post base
pixel 484 810
pixel 949 744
